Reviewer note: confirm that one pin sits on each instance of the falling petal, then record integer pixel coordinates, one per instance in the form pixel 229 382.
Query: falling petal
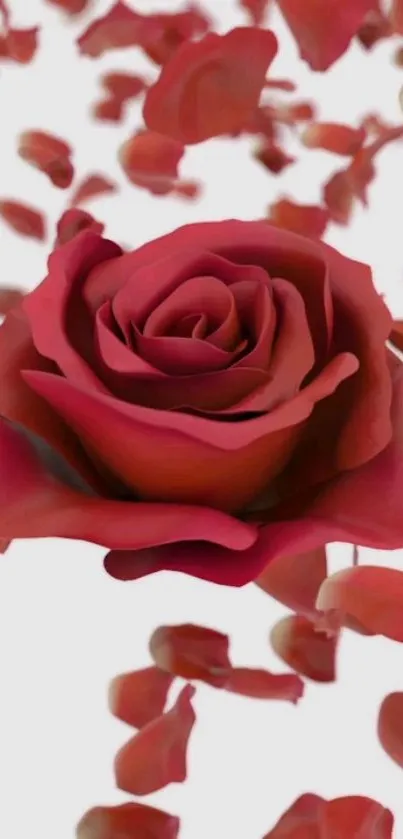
pixel 23 219
pixel 306 219
pixel 139 697
pixel 127 821
pixel 49 154
pixel 91 187
pixel 192 652
pixel 301 820
pixel 296 640
pixel 333 137
pixel 295 580
pixel 355 817
pixel 390 726
pixel 261 684
pixel 73 221
pixel 151 161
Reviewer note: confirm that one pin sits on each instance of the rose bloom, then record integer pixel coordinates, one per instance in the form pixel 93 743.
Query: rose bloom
pixel 219 398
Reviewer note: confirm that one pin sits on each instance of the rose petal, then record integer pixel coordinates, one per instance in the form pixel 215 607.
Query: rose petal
pixel 139 697
pixel 333 137
pixel 109 109
pixel 320 44
pixel 23 219
pixel 120 27
pixel 72 222
pixel 187 189
pixel 295 580
pixel 299 644
pixel 128 821
pixel 374 28
pixel 192 652
pixel 260 684
pixel 49 154
pixel 91 187
pixel 396 335
pixel 390 726
pixel 301 820
pixel 371 594
pixel 273 158
pixel 338 197
pixel 5 13
pixel 306 219
pixel 151 160
pixel 9 298
pixel 166 32
pixel 257 10
pixel 356 817
pixel 123 85
pixel 19 45
pixel 210 87
pixel 72 7
pixel 157 755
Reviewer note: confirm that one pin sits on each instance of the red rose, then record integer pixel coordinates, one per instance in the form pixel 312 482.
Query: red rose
pixel 220 397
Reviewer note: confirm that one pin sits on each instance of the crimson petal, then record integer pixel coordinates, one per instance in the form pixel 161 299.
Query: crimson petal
pixel 139 697
pixel 192 652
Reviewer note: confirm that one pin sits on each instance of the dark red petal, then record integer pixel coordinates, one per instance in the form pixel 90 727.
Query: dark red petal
pixel 9 297
pixel 257 10
pixel 156 756
pixel 306 219
pixel 374 28
pixel 48 153
pixel 192 652
pixel 273 158
pixel 396 16
pixel 371 594
pixel 20 45
pixel 338 197
pixel 295 580
pixel 24 220
pixel 321 44
pixel 127 821
pixel 307 650
pixel 110 109
pixel 139 697
pixel 73 222
pixel 390 726
pixel 355 817
pixel 151 160
pixel 72 7
pixel 301 820
pixel 333 137
pixel 211 87
pixel 92 186
pixel 260 684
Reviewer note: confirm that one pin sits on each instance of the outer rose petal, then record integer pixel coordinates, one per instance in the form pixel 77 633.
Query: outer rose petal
pixel 192 652
pixel 139 697
pixel 260 684
pixel 320 44
pixel 295 580
pixel 51 508
pixel 210 87
pixel 73 222
pixel 301 820
pixel 390 726
pixel 156 756
pixel 372 595
pixel 23 219
pixel 128 821
pixel 356 817
pixel 307 650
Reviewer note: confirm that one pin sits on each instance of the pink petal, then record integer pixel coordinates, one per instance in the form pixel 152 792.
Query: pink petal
pixel 139 697
pixel 260 684
pixel 390 726
pixel 373 595
pixel 210 87
pixel 192 652
pixel 157 755
pixel 310 652
pixel 127 821
pixel 295 580
pixel 319 43
pixel 23 219
pixel 91 187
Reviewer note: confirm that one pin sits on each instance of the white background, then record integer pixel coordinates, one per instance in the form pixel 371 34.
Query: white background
pixel 66 628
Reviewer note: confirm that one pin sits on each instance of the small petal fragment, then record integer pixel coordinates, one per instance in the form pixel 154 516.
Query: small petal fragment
pixel 156 756
pixel 372 595
pixel 23 219
pixel 261 684
pixel 390 726
pixel 273 157
pixel 339 198
pixel 307 650
pixel 306 219
pixel 321 44
pixel 49 154
pixel 151 160
pixel 127 821
pixel 9 297
pixel 192 652
pixel 91 187
pixel 19 45
pixel 211 87
pixel 295 580
pixel 74 221
pixel 333 137
pixel 139 697
pixel 356 817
